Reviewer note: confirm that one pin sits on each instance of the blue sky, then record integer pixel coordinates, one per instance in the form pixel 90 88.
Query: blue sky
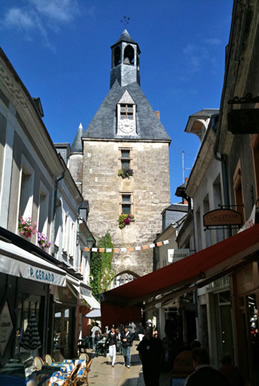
pixel 61 51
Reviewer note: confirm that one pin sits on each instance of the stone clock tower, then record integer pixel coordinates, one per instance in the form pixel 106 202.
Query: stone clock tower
pixel 121 164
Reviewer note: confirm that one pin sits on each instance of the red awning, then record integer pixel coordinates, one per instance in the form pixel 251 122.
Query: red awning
pixel 187 274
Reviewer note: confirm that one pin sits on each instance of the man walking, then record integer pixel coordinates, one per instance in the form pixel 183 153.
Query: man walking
pixel 126 343
pixel 151 355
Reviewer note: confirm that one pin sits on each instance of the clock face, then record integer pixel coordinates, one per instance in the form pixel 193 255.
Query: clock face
pixel 127 126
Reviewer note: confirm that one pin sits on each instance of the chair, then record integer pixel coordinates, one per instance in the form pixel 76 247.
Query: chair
pixel 85 357
pixel 38 363
pixel 67 379
pixel 82 376
pixel 48 359
pixel 72 377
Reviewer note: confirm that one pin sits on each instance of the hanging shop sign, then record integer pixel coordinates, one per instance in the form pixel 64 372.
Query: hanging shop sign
pixel 222 217
pixel 243 121
pixel 177 254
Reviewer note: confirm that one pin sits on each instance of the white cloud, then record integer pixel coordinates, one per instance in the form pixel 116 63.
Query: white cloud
pixel 195 62
pixel 189 49
pixel 17 18
pixel 40 16
pixel 62 11
pixel 213 41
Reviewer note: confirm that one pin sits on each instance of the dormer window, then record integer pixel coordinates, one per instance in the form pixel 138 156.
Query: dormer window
pixel 126 115
pixel 126 111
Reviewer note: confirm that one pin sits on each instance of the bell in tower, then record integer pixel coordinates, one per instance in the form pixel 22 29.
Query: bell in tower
pixel 125 61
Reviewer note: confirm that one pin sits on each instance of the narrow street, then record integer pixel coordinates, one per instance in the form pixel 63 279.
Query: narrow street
pixel 102 374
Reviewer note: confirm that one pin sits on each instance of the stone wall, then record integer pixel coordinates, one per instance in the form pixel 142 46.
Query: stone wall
pixel 150 193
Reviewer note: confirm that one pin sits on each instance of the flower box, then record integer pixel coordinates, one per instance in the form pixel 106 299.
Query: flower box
pixel 125 219
pixel 43 241
pixel 125 173
pixel 26 227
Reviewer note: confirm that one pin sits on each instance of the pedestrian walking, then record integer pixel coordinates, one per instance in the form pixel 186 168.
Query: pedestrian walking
pixel 111 341
pixel 126 343
pixel 141 332
pixel 204 374
pixel 151 355
pixel 95 332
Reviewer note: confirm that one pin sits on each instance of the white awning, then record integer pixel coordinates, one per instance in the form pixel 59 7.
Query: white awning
pixel 94 314
pixel 93 303
pixel 74 283
pixel 18 262
pixel 86 294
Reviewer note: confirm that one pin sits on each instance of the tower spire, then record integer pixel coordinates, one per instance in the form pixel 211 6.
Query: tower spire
pixel 125 61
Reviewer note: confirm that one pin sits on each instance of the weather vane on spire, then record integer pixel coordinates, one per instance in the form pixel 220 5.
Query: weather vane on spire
pixel 125 20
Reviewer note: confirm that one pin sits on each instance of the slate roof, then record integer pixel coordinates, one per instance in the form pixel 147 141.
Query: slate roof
pixel 205 113
pixel 125 37
pixel 103 124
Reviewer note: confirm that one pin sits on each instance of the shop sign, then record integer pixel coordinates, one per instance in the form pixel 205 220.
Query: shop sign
pixel 177 254
pixel 6 328
pixel 42 275
pixel 221 217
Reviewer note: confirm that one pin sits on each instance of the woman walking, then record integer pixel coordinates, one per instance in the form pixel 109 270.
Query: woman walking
pixel 111 342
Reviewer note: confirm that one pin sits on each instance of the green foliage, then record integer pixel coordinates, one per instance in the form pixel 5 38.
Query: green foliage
pixel 125 173
pixel 101 267
pixel 125 219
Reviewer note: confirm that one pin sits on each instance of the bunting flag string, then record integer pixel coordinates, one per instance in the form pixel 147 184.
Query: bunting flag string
pixel 129 249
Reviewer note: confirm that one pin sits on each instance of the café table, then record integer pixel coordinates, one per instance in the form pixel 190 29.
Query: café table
pixel 65 366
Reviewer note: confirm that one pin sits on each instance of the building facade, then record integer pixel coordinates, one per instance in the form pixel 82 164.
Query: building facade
pixel 225 176
pixel 43 265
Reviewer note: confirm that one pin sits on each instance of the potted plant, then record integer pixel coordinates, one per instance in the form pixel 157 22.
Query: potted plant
pixel 26 227
pixel 125 173
pixel 125 219
pixel 43 241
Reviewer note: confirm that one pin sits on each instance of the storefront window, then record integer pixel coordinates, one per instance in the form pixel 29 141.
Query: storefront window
pixel 25 306
pixel 63 330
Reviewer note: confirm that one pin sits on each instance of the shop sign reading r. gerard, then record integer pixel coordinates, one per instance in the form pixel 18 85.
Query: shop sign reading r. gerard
pixel 221 217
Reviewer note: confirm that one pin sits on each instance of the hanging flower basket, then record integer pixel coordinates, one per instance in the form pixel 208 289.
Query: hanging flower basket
pixel 43 241
pixel 125 219
pixel 125 173
pixel 26 227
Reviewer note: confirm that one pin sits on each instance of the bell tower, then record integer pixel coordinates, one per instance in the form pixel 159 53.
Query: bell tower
pixel 125 61
pixel 121 162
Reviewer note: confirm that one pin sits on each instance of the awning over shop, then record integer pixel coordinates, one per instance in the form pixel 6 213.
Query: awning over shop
pixel 93 303
pixel 94 314
pixel 86 294
pixel 21 263
pixel 185 275
pixel 74 284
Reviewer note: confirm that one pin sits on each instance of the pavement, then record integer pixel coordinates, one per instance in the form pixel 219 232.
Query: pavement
pixel 103 374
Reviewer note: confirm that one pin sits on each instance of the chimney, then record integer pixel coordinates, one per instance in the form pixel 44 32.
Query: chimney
pixel 158 114
pixel 184 199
